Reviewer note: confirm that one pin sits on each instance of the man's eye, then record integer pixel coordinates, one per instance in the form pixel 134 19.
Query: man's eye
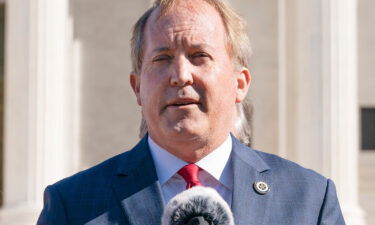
pixel 200 54
pixel 161 58
pixel 200 58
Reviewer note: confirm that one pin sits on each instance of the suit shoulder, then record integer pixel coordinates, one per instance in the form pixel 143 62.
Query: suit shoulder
pixel 290 180
pixel 99 174
pixel 288 168
pixel 103 174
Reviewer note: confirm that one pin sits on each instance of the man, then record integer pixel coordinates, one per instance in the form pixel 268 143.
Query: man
pixel 190 61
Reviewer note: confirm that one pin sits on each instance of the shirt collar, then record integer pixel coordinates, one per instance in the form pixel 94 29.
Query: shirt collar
pixel 215 162
pixel 167 164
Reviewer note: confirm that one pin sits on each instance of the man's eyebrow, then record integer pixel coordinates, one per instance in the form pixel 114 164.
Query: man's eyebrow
pixel 193 46
pixel 200 46
pixel 161 49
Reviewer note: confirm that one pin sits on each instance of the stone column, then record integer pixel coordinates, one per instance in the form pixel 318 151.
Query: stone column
pixel 318 92
pixel 340 103
pixel 40 105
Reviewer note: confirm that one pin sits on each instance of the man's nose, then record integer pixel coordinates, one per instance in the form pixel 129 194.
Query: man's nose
pixel 182 73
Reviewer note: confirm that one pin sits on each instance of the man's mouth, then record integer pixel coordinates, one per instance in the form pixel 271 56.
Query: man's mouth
pixel 183 102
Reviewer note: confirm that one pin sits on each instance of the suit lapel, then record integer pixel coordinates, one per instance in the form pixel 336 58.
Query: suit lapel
pixel 248 206
pixel 137 187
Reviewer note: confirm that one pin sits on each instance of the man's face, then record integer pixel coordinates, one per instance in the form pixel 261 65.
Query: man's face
pixel 188 86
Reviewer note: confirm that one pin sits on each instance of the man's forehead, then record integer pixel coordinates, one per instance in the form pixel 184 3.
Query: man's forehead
pixel 187 35
pixel 184 27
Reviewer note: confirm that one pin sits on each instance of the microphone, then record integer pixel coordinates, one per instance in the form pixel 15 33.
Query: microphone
pixel 197 206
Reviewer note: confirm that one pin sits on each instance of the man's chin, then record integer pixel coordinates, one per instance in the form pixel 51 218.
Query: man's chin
pixel 187 131
pixel 184 131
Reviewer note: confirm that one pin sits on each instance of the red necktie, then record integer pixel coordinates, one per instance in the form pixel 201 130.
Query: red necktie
pixel 190 175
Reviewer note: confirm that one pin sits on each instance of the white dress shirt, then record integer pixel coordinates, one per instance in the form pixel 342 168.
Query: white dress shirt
pixel 216 173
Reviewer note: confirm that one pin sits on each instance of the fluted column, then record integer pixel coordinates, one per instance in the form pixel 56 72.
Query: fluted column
pixel 40 106
pixel 318 106
pixel 340 103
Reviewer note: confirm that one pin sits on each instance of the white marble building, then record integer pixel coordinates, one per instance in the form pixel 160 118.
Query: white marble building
pixel 69 105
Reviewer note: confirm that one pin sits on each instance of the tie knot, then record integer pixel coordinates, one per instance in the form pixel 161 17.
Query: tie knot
pixel 190 175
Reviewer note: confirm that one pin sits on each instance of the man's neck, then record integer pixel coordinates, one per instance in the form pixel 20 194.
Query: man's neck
pixel 190 150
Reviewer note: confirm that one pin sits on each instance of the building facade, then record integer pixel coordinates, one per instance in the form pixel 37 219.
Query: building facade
pixel 68 104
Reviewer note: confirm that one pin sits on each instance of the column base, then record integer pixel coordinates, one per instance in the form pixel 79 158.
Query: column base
pixel 19 215
pixel 353 214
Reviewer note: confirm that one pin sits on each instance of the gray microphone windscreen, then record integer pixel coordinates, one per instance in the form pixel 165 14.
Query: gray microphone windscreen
pixel 197 206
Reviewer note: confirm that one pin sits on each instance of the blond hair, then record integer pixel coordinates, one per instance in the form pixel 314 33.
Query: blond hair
pixel 237 41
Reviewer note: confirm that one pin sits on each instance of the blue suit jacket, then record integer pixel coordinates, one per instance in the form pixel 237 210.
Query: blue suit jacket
pixel 125 190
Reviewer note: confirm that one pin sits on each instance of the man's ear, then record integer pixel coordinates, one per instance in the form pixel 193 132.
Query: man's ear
pixel 135 82
pixel 243 83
